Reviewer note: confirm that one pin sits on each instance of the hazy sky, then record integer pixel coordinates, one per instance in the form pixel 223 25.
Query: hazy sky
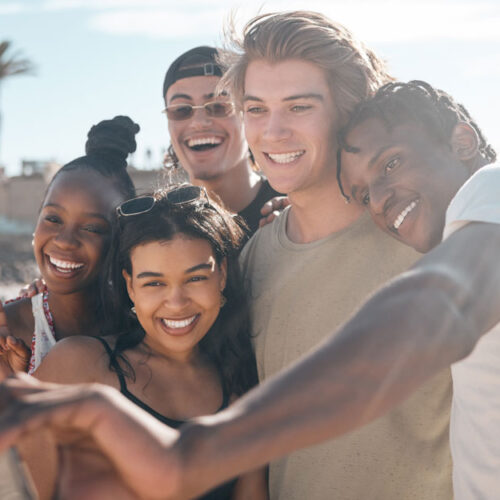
pixel 99 58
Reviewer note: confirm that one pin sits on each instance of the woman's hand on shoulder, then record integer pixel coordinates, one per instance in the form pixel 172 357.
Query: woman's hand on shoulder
pixel 32 289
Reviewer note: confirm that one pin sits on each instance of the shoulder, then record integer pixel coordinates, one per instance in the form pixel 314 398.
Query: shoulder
pixel 75 360
pixel 478 200
pixel 20 319
pixel 263 238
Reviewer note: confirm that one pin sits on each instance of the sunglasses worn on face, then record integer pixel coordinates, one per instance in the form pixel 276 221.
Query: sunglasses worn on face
pixel 214 109
pixel 177 196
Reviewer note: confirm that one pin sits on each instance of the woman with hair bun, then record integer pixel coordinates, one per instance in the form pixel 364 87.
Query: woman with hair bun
pixel 70 241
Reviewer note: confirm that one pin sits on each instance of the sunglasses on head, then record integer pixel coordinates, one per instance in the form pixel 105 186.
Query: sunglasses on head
pixel 214 109
pixel 176 196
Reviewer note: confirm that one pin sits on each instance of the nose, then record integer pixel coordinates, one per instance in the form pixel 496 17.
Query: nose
pixel 379 194
pixel 176 297
pixel 200 118
pixel 67 238
pixel 275 128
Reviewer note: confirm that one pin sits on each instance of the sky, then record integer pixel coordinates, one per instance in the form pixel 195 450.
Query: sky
pixel 99 58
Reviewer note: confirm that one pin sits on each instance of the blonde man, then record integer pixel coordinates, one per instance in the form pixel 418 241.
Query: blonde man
pixel 297 76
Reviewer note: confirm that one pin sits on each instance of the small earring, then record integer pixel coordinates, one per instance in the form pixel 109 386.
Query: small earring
pixel 133 311
pixel 223 300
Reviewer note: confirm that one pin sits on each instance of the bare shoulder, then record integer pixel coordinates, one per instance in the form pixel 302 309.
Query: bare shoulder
pixel 20 319
pixel 74 360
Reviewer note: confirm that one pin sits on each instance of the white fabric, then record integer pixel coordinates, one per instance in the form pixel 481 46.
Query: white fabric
pixel 43 338
pixel 475 417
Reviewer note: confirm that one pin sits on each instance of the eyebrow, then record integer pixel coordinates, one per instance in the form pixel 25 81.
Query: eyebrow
pixel 95 215
pixel 205 265
pixel 373 160
pixel 310 95
pixel 152 274
pixel 210 95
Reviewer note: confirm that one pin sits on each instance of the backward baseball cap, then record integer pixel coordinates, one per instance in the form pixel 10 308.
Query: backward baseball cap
pixel 200 61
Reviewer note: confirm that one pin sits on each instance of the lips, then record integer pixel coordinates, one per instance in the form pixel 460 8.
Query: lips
pixel 179 326
pixel 400 218
pixel 203 143
pixel 284 158
pixel 64 266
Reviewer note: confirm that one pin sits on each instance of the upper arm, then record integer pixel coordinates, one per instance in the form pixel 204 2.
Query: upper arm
pixel 73 360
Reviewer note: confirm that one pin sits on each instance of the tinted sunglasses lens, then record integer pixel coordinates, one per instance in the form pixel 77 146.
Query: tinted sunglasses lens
pixel 137 206
pixel 184 194
pixel 182 112
pixel 219 109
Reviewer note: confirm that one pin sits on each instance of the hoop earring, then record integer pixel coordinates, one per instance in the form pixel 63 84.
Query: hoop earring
pixel 223 300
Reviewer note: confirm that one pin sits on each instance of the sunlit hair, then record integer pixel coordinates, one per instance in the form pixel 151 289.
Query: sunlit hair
pixel 227 344
pixel 352 70
pixel 414 102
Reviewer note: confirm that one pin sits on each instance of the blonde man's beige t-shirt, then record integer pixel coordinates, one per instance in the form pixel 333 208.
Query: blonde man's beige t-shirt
pixel 301 293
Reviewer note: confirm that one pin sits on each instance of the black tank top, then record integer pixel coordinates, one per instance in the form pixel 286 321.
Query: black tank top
pixel 224 491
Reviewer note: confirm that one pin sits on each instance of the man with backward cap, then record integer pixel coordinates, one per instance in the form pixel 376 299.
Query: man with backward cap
pixel 207 135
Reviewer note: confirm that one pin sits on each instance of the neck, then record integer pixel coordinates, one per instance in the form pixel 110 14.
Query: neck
pixel 237 187
pixel 319 212
pixel 74 314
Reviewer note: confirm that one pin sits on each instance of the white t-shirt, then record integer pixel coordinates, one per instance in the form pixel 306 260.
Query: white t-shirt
pixel 475 417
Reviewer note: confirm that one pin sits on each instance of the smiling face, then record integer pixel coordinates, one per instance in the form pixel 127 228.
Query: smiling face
pixel 72 231
pixel 404 178
pixel 290 119
pixel 176 288
pixel 207 147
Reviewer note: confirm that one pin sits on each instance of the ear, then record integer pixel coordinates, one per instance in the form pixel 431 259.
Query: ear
pixel 128 282
pixel 464 142
pixel 223 270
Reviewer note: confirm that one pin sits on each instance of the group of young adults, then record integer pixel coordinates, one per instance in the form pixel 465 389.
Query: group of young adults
pixel 330 128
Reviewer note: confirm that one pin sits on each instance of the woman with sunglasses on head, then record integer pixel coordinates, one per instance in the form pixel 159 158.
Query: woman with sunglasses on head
pixel 70 240
pixel 181 348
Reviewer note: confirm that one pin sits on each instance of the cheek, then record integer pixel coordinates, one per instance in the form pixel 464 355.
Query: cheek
pixel 175 130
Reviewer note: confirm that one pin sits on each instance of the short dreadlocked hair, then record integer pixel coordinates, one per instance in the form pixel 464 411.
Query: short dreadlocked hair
pixel 418 102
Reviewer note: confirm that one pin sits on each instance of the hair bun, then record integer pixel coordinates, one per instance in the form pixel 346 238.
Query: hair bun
pixel 112 140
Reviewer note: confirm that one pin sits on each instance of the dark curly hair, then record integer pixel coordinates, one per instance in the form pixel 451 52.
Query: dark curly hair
pixel 418 102
pixel 228 343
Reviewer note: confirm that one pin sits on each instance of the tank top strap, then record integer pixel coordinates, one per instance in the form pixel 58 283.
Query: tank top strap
pixel 114 364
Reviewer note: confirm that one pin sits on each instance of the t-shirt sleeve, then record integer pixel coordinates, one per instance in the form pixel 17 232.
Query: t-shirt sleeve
pixel 478 200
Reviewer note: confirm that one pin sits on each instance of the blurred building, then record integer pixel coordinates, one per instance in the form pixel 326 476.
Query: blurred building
pixel 21 196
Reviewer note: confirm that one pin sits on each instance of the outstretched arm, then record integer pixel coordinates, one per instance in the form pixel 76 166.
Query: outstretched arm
pixel 418 324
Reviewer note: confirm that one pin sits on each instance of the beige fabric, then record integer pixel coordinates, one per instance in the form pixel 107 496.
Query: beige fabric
pixel 300 293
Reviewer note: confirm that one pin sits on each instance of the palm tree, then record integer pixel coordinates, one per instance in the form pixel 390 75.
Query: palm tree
pixel 13 64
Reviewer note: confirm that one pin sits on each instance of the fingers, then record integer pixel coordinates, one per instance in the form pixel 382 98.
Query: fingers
pixel 277 203
pixel 32 289
pixel 266 220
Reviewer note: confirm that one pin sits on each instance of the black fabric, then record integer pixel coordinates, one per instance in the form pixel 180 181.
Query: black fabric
pixel 200 61
pixel 251 214
pixel 223 492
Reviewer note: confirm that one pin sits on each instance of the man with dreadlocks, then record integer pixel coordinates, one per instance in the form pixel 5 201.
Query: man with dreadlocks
pixel 416 159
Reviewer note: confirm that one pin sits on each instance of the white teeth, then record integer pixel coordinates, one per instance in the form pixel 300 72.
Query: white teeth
pixel 171 323
pixel 285 157
pixel 401 217
pixel 201 141
pixel 64 265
